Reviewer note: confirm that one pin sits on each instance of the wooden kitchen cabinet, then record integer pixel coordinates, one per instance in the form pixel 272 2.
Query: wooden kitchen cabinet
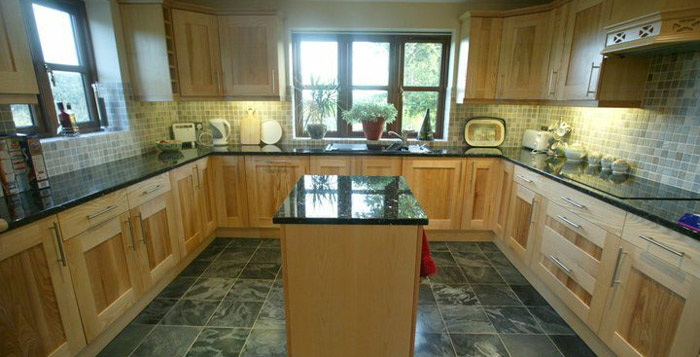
pixel 522 222
pixel 505 184
pixel 480 180
pixel 333 165
pixel 523 63
pixel 249 55
pixel 560 20
pixel 207 199
pixel 187 197
pixel 269 180
pixel 40 314
pixel 230 187
pixel 197 52
pixel 16 65
pixel 437 184
pixel 105 269
pixel 380 166
pixel 482 63
pixel 653 308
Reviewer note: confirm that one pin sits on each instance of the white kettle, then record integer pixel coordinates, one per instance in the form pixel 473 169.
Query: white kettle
pixel 220 131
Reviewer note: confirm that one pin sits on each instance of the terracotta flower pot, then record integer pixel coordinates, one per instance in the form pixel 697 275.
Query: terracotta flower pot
pixel 373 130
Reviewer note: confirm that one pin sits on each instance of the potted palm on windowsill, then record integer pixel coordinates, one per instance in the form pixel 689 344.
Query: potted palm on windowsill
pixel 322 104
pixel 373 116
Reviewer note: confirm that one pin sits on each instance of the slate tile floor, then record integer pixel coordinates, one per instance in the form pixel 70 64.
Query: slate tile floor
pixel 229 302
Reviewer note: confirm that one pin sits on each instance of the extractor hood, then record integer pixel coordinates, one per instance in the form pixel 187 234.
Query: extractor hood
pixel 653 32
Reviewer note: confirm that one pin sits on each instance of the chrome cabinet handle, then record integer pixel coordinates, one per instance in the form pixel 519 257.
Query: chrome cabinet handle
pixel 59 241
pixel 218 81
pixel 553 88
pixel 661 245
pixel 569 222
pixel 590 79
pixel 532 211
pixel 274 86
pixel 154 189
pixel 572 202
pixel 195 170
pixel 620 253
pixel 524 178
pixel 560 264
pixel 131 233
pixel 143 230
pixel 97 214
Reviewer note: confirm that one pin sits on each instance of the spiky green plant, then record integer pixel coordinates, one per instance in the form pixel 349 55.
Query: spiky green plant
pixel 323 102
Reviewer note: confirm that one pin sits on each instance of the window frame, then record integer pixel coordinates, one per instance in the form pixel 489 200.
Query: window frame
pixel 395 87
pixel 45 114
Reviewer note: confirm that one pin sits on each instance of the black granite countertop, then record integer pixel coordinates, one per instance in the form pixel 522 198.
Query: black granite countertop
pixel 71 189
pixel 371 200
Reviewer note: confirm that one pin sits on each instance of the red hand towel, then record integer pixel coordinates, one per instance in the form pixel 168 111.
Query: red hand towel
pixel 427 265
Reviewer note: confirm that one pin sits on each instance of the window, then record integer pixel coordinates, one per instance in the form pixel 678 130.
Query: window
pixel 64 64
pixel 409 71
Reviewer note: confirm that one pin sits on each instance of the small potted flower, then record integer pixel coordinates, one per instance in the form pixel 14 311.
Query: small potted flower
pixel 373 116
pixel 322 104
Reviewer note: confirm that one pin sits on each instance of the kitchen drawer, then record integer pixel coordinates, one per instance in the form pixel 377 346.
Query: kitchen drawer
pixel 81 218
pixel 530 180
pixel 678 250
pixel 147 190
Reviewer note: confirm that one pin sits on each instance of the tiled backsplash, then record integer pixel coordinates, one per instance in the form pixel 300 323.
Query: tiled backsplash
pixel 661 140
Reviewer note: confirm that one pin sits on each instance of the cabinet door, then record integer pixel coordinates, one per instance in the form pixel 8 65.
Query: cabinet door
pixel 205 183
pixel 479 193
pixel 155 232
pixel 581 61
pixel 249 55
pixel 484 50
pixel 380 166
pixel 437 184
pixel 505 184
pixel 105 272
pixel 183 182
pixel 39 310
pixel 16 66
pixel 524 60
pixel 230 187
pixel 332 165
pixel 197 52
pixel 560 18
pixel 269 182
pixel 653 308
pixel 522 222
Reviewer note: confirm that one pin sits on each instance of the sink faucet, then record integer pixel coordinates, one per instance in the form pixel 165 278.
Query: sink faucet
pixel 403 136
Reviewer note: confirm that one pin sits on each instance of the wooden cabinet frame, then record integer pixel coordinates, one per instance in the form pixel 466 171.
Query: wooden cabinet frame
pixel 230 186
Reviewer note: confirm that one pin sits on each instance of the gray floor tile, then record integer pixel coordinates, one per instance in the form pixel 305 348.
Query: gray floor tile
pixel 195 269
pixel 171 341
pixel 496 295
pixel 448 274
pixel 126 341
pixel 154 312
pixel 550 321
pixel 425 295
pixel 177 288
pixel 260 271
pixel 429 319
pixel 572 346
pixel 270 243
pixel 221 242
pixel 235 314
pixel 471 259
pixel 223 269
pixel 246 242
pixel 219 341
pixel 528 295
pixel 209 289
pixel 433 345
pixel 277 291
pixel 265 343
pixel 499 260
pixel 478 346
pixel 249 290
pixel 443 258
pixel 237 254
pixel 463 247
pixel 479 275
pixel 271 316
pixel 437 247
pixel 466 319
pixel 488 247
pixel 512 276
pixel 454 294
pixel 190 313
pixel 530 346
pixel 210 252
pixel 267 255
pixel 512 320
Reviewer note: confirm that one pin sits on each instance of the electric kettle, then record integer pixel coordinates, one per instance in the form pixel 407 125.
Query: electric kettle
pixel 220 131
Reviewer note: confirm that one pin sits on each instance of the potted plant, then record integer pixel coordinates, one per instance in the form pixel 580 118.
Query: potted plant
pixel 321 105
pixel 373 116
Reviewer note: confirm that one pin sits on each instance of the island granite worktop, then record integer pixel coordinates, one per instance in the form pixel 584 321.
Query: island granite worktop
pixel 71 189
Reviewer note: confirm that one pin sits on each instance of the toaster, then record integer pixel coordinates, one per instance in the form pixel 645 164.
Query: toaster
pixel 536 139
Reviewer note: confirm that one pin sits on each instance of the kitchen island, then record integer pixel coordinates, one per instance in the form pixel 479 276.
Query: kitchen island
pixel 351 249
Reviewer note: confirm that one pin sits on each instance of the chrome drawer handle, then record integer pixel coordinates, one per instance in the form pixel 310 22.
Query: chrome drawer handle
pixel 574 203
pixel 97 214
pixel 569 222
pixel 524 178
pixel 59 241
pixel 662 246
pixel 143 230
pixel 131 233
pixel 154 189
pixel 560 264
pixel 620 253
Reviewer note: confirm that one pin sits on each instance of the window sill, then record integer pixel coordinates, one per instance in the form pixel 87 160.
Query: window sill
pixel 333 139
pixel 94 134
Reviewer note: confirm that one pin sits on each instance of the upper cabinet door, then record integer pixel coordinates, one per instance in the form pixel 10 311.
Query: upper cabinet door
pixel 524 60
pixel 16 69
pixel 197 52
pixel 249 55
pixel 581 60
pixel 484 49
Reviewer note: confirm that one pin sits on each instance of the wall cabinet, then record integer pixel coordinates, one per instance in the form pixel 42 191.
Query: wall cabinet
pixel 230 188
pixel 249 55
pixel 198 55
pixel 105 268
pixel 16 65
pixel 187 195
pixel 480 185
pixel 484 51
pixel 39 309
pixel 437 186
pixel 505 184
pixel 269 181
pixel 522 222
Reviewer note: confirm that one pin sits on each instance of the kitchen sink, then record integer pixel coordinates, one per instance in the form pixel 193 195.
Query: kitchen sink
pixel 395 147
